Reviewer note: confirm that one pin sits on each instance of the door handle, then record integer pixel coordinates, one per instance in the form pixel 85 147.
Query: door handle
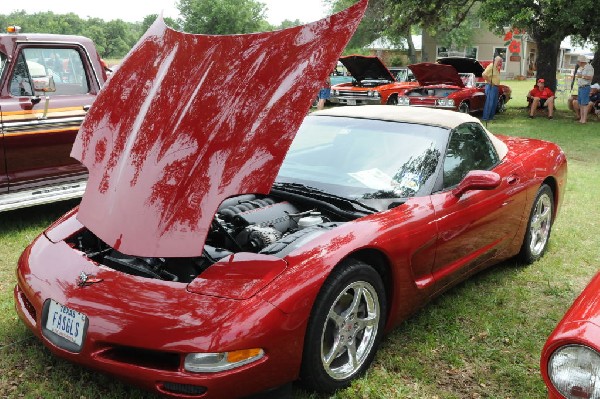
pixel 512 179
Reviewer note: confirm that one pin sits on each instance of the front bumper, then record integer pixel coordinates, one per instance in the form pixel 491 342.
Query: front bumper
pixel 355 100
pixel 140 330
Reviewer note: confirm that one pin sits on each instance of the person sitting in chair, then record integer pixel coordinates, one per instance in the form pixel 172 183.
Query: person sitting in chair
pixel 540 97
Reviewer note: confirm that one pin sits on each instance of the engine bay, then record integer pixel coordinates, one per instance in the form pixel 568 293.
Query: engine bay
pixel 247 223
pixel 371 82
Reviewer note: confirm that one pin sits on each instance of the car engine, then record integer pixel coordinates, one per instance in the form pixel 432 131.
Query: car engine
pixel 246 223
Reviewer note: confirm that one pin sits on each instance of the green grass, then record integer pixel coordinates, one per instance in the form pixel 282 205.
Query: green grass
pixel 481 339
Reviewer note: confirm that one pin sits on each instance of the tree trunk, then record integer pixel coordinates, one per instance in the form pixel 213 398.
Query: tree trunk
pixel 412 54
pixel 546 63
pixel 596 64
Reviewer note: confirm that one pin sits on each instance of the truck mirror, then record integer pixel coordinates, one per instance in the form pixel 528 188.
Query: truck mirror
pixel 44 84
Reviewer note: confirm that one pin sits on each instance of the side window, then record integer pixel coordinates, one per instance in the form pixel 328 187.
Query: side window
pixel 20 83
pixel 469 149
pixel 63 65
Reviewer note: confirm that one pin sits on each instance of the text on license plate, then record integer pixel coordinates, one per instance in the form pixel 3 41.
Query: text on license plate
pixel 351 102
pixel 66 322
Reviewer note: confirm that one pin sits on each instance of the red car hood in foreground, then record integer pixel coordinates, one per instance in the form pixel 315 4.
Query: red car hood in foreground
pixel 189 120
pixel 429 74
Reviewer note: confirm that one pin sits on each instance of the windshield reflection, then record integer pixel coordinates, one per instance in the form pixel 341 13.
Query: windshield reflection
pixel 365 159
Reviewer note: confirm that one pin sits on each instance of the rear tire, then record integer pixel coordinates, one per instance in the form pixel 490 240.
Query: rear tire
pixel 539 226
pixel 345 327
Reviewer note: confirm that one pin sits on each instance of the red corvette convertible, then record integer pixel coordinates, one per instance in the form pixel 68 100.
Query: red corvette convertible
pixel 223 248
pixel 570 361
pixel 452 83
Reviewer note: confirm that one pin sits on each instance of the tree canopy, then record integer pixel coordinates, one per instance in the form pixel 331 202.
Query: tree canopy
pixel 220 17
pixel 113 39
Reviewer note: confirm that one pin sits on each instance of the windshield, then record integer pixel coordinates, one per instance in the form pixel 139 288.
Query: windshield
pixel 363 158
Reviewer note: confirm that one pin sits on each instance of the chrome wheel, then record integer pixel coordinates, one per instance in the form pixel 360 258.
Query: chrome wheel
pixel 345 326
pixel 539 226
pixel 350 330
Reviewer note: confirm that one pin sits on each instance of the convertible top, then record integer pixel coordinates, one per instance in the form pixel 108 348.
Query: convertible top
pixel 425 116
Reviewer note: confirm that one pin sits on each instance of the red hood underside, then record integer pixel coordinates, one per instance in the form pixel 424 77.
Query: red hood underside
pixel 190 120
pixel 429 74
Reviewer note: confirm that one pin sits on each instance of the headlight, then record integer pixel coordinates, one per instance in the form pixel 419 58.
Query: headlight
pixel 403 101
pixel 375 94
pixel 215 362
pixel 335 92
pixel 370 93
pixel 450 103
pixel 442 102
pixel 575 372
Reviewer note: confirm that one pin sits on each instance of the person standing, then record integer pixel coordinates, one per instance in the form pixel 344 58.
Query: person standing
pixel 584 77
pixel 491 74
pixel 324 94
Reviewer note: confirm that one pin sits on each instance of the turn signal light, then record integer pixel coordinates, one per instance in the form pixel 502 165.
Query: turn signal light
pixel 13 29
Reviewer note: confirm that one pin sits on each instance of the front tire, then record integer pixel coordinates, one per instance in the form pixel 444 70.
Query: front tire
pixel 539 226
pixel 464 107
pixel 393 100
pixel 345 327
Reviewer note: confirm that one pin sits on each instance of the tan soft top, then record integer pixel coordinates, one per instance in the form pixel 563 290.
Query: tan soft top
pixel 424 116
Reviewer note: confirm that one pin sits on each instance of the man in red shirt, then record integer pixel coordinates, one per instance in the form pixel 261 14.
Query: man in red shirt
pixel 539 97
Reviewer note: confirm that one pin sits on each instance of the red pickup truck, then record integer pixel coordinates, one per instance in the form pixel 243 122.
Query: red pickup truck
pixel 47 84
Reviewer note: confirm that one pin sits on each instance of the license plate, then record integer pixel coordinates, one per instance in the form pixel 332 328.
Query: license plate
pixel 351 102
pixel 66 322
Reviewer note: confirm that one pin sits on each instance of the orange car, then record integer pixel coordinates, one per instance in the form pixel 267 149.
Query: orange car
pixel 373 83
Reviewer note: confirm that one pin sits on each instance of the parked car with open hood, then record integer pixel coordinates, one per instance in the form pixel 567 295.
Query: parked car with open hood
pixel 373 83
pixel 452 83
pixel 224 247
pixel 570 361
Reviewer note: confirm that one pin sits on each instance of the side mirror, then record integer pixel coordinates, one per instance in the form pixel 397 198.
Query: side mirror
pixel 44 84
pixel 477 180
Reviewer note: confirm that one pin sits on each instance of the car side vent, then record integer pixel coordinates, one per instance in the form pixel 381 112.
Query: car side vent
pixel 143 358
pixel 29 306
pixel 183 389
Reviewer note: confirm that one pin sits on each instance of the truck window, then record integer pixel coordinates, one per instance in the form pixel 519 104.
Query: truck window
pixel 2 62
pixel 64 65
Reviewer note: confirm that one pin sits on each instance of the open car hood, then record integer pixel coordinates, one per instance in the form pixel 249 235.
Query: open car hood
pixel 190 120
pixel 429 74
pixel 363 67
pixel 463 65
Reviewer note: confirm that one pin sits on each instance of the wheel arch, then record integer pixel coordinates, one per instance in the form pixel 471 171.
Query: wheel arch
pixel 553 184
pixel 382 266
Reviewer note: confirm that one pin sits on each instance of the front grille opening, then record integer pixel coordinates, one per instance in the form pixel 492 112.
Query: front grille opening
pixel 156 360
pixel 28 306
pixel 183 389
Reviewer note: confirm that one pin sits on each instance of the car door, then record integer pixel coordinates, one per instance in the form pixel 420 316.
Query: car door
pixel 39 124
pixel 478 225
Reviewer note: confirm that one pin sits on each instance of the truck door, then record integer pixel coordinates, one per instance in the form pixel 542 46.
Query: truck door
pixel 3 176
pixel 44 99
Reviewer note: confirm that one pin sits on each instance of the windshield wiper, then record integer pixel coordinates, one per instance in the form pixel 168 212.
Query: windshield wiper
pixel 339 200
